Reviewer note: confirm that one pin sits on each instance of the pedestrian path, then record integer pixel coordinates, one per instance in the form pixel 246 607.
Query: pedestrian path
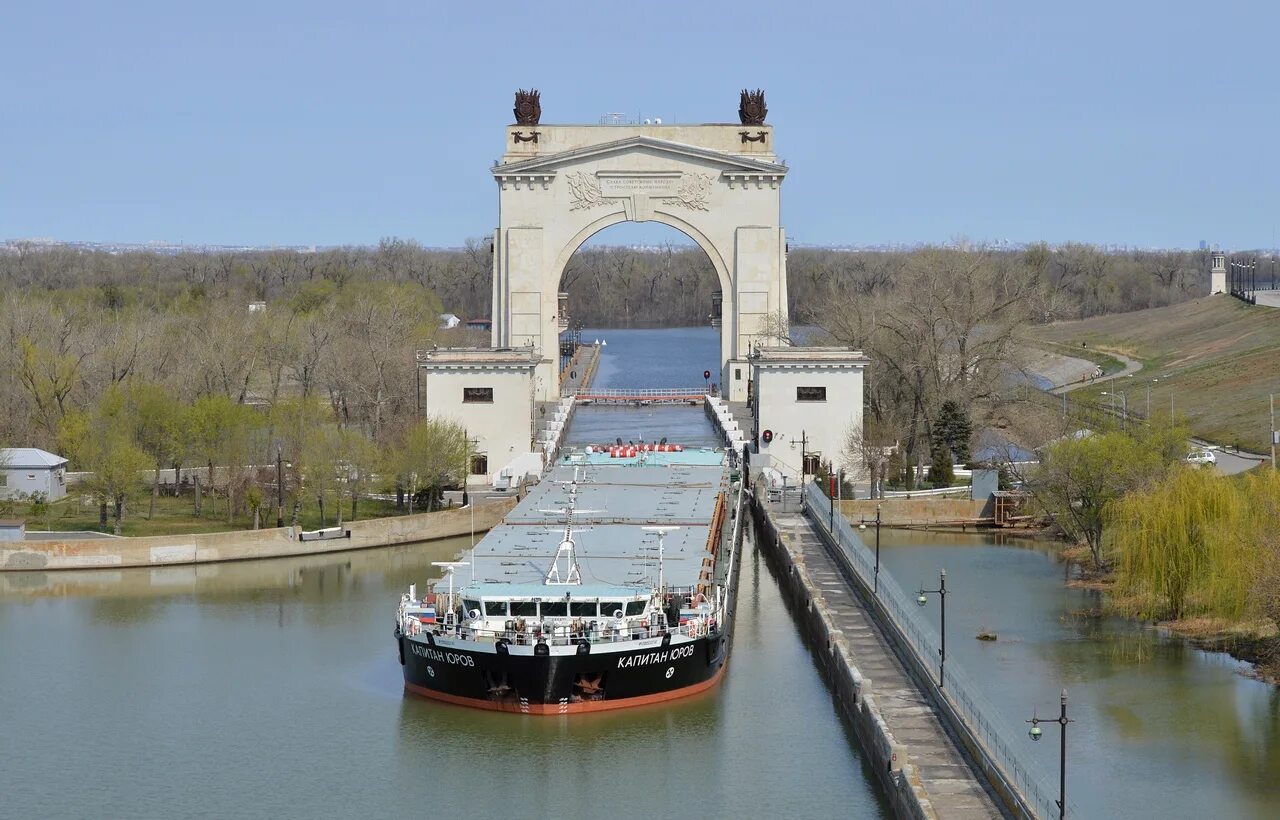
pixel 954 790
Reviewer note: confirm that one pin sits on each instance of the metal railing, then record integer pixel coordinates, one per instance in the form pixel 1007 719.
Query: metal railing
pixel 994 732
pixel 606 632
pixel 634 394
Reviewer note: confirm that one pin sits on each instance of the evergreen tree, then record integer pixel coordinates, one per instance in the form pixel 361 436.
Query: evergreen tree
pixel 941 471
pixel 954 428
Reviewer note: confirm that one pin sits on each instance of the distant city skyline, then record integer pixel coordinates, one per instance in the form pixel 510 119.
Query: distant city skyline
pixel 323 124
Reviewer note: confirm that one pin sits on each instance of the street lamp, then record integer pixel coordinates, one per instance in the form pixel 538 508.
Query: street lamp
pixel 941 592
pixel 1035 734
pixel 874 577
pixel 875 584
pixel 1153 381
pixel 279 487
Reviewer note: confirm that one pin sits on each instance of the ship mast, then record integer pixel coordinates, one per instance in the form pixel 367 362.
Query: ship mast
pixel 449 568
pixel 572 575
pixel 662 532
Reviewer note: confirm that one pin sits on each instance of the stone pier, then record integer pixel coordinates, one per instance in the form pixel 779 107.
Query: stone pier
pixel 925 773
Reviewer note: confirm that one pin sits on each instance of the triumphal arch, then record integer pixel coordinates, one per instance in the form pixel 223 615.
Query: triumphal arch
pixel 719 184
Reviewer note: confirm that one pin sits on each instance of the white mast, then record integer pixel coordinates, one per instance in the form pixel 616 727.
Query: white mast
pixel 662 532
pixel 572 574
pixel 449 567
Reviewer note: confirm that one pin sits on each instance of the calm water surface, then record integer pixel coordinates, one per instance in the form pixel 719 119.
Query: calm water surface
pixel 272 689
pixel 1163 729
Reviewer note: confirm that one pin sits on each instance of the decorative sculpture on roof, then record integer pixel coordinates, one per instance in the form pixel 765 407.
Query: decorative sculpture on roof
pixel 751 109
pixel 528 108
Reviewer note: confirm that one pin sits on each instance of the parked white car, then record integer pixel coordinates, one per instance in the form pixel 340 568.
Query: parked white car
pixel 1201 457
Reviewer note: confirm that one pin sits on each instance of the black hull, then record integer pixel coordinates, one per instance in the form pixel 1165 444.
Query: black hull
pixel 559 684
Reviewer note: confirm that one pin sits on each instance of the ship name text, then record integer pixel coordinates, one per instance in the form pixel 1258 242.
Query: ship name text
pixel 443 657
pixel 656 657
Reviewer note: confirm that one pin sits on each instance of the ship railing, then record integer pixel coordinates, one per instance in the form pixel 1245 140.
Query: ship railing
pixel 556 636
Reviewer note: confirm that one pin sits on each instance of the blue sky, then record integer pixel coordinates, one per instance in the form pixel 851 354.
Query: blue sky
pixel 332 123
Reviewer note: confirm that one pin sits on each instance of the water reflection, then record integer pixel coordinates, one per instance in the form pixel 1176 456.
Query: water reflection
pixel 272 688
pixel 1163 729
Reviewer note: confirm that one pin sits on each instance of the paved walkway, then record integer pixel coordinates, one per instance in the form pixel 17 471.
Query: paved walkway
pixel 1267 298
pixel 584 367
pixel 953 789
pixel 1131 366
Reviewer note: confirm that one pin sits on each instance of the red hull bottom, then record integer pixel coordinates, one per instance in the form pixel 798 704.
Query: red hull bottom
pixel 568 708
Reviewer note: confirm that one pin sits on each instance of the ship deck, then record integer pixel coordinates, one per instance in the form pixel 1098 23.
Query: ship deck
pixel 616 499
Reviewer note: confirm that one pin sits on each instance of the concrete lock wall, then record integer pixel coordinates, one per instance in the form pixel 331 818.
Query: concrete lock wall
pixel 913 512
pixel 282 542
pixel 886 755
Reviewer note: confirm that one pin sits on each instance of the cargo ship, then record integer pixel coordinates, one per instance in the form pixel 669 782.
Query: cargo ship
pixel 611 584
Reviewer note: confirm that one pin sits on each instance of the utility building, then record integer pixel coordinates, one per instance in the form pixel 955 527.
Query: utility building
pixel 806 401
pixel 25 471
pixel 489 392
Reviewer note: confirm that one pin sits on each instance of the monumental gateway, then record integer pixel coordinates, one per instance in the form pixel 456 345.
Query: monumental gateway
pixel 558 185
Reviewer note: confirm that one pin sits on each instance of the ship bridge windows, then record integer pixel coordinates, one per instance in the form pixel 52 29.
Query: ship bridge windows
pixel 555 609
pixel 635 607
pixel 470 605
pixel 582 609
pixel 524 609
pixel 610 609
pixel 495 608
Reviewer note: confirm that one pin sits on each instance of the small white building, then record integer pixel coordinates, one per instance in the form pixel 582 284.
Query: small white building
pixel 28 470
pixel 806 399
pixel 1218 273
pixel 448 321
pixel 490 392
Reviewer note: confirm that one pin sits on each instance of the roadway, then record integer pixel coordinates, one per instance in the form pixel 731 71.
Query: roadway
pixel 1229 463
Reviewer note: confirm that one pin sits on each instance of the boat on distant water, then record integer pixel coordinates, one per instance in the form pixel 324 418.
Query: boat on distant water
pixel 612 584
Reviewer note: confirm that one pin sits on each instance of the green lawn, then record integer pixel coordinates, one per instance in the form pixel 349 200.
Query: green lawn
pixel 174 516
pixel 1215 357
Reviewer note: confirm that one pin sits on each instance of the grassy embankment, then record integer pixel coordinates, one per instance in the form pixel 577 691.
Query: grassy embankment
pixel 174 516
pixel 1216 357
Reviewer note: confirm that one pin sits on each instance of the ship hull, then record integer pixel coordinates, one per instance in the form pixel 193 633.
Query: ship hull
pixel 447 670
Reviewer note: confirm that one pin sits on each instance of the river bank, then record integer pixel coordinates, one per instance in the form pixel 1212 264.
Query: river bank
pixel 277 542
pixel 1249 640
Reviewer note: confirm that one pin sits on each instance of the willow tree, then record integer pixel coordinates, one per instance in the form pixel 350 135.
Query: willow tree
pixel 1195 543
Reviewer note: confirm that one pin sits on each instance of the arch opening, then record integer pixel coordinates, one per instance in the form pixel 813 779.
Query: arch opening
pixel 651 292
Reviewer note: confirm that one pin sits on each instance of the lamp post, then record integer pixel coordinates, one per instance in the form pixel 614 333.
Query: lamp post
pixel 804 450
pixel 279 487
pixel 1153 381
pixel 1062 720
pixel 875 582
pixel 941 592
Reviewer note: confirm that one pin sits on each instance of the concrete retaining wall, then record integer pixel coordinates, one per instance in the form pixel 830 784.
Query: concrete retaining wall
pixel 902 512
pixel 163 550
pixel 887 756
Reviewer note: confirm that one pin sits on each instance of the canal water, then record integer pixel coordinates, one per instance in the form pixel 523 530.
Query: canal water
pixel 272 689
pixel 1161 729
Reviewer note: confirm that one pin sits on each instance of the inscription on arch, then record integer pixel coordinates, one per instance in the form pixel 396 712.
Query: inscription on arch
pixel 688 190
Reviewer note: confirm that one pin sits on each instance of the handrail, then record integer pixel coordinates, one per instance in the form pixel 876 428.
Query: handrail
pixel 965 697
pixel 607 633
pixel 644 392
